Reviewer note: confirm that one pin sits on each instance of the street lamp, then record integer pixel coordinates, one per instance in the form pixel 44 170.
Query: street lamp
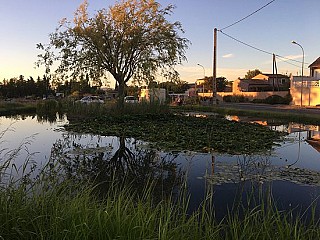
pixel 294 42
pixel 204 76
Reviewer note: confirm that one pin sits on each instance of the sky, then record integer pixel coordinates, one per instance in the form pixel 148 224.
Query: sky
pixel 24 23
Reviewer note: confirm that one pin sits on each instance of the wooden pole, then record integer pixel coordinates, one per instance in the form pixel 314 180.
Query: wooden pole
pixel 214 82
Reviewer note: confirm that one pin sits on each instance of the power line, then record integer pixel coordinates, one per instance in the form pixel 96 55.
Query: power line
pixel 290 59
pixel 247 16
pixel 287 60
pixel 248 45
pixel 261 50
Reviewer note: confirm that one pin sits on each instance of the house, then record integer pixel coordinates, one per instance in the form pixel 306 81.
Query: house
pixel 305 90
pixel 250 85
pixel 278 82
pixel 315 69
pixel 263 82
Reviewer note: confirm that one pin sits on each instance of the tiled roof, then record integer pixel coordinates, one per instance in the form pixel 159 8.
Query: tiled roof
pixel 316 63
pixel 270 75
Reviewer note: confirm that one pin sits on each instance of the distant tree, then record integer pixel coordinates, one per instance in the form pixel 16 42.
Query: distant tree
pixel 252 73
pixel 132 90
pixel 84 86
pixel 131 40
pixel 222 82
pixel 174 86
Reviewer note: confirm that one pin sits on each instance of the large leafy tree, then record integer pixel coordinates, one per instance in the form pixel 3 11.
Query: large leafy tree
pixel 252 73
pixel 133 40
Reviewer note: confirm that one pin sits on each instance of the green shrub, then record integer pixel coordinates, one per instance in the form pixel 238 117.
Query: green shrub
pixel 235 98
pixel 275 99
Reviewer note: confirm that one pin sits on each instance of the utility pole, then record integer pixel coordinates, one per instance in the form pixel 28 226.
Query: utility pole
pixel 214 81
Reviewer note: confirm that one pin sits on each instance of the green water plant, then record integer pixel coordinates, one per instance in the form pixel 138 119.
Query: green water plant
pixel 177 132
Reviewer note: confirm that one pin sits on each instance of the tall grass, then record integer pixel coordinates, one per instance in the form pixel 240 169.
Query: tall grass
pixel 48 208
pixel 79 110
pixel 11 108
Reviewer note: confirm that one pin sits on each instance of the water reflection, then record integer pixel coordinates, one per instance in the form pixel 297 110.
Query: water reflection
pixel 120 161
pixel 51 117
pixel 291 170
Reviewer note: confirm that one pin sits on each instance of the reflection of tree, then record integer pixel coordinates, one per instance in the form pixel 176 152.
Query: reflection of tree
pixel 127 165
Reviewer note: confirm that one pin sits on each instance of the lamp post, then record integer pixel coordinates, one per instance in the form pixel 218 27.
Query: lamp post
pixel 294 42
pixel 204 76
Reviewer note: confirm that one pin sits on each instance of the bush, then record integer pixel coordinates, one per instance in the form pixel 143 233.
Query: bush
pixel 235 98
pixel 275 99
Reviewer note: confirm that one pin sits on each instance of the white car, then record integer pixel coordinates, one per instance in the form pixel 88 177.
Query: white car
pixel 91 99
pixel 130 99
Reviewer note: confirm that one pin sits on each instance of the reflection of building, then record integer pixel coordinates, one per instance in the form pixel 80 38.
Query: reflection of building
pixel 313 133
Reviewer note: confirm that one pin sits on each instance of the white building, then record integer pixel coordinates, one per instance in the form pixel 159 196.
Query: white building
pixel 153 95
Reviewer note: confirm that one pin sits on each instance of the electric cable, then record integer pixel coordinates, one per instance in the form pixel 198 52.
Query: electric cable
pixel 247 16
pixel 263 51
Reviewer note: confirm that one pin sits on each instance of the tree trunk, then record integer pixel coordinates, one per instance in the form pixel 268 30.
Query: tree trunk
pixel 121 94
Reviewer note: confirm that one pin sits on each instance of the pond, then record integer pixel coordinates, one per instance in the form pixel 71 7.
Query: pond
pixel 290 171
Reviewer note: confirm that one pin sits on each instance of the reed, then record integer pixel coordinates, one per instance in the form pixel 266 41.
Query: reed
pixel 49 207
pixel 12 108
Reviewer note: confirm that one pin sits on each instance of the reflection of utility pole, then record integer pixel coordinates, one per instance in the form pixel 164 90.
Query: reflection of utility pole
pixel 214 76
pixel 213 159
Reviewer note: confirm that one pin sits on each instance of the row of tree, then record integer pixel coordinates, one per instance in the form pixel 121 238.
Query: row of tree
pixel 43 87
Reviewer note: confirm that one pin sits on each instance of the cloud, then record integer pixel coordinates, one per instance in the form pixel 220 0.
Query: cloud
pixel 230 55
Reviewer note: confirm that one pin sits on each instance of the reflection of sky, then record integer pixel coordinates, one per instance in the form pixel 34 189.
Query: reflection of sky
pixel 196 165
pixel 36 137
pixel 42 135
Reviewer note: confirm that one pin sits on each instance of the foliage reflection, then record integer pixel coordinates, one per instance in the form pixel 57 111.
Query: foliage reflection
pixel 105 165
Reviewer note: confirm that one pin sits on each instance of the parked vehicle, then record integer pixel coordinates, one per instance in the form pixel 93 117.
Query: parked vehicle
pixel 130 99
pixel 90 99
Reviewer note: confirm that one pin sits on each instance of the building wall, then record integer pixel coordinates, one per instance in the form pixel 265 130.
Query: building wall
pixel 261 95
pixel 235 86
pixel 156 94
pixel 310 91
pixel 310 95
pixel 316 73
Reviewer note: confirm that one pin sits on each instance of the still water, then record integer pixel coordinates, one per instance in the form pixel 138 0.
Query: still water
pixel 290 170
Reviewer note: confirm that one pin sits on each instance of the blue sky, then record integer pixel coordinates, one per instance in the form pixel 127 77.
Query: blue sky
pixel 26 23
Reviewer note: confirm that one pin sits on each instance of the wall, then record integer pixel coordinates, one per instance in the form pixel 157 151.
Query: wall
pixel 249 95
pixel 312 93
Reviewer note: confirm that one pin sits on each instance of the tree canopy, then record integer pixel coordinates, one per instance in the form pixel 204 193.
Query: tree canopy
pixel 132 40
pixel 252 73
